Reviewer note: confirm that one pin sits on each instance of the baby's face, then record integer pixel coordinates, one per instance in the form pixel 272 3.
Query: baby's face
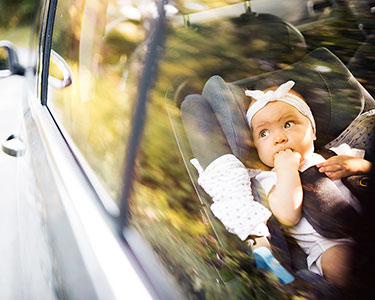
pixel 279 126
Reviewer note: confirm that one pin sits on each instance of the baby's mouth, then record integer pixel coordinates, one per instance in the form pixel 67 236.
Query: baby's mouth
pixel 283 149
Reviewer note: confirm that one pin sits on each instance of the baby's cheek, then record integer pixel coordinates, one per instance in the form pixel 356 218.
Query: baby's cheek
pixel 264 154
pixel 268 160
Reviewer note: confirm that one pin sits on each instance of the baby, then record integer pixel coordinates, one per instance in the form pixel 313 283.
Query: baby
pixel 283 131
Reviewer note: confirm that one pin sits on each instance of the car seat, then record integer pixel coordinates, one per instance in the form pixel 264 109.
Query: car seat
pixel 342 110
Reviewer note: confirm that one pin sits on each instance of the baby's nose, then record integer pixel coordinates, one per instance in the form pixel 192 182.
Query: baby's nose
pixel 280 139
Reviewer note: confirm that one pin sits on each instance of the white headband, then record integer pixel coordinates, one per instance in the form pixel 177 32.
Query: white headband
pixel 281 94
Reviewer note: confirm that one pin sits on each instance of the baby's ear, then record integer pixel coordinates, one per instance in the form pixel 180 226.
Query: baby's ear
pixel 314 137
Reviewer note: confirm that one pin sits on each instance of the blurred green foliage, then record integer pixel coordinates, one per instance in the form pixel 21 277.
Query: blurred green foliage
pixel 16 20
pixel 16 13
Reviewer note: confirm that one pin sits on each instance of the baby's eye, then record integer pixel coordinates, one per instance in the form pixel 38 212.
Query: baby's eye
pixel 288 124
pixel 264 133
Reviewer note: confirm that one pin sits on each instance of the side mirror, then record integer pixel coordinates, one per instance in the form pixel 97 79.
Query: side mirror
pixel 9 64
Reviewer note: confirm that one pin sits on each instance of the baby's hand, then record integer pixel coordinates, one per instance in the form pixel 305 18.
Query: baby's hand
pixel 340 166
pixel 286 159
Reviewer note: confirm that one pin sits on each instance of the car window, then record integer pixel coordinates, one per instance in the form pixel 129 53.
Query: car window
pixel 97 40
pixel 243 44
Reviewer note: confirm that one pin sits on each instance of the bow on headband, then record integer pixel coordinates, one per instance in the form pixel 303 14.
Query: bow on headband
pixel 280 94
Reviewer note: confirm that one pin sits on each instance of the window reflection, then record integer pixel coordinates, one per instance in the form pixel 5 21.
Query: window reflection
pixel 97 39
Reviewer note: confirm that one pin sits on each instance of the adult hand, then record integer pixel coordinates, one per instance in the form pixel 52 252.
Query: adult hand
pixel 340 166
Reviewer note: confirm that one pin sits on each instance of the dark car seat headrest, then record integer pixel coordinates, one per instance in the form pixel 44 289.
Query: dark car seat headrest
pixel 333 94
pixel 231 44
pixel 262 31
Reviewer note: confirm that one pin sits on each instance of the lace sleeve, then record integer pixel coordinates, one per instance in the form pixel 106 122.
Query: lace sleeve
pixel 227 181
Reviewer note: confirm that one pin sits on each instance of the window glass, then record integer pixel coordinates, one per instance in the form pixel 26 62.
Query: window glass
pixel 244 44
pixel 97 40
